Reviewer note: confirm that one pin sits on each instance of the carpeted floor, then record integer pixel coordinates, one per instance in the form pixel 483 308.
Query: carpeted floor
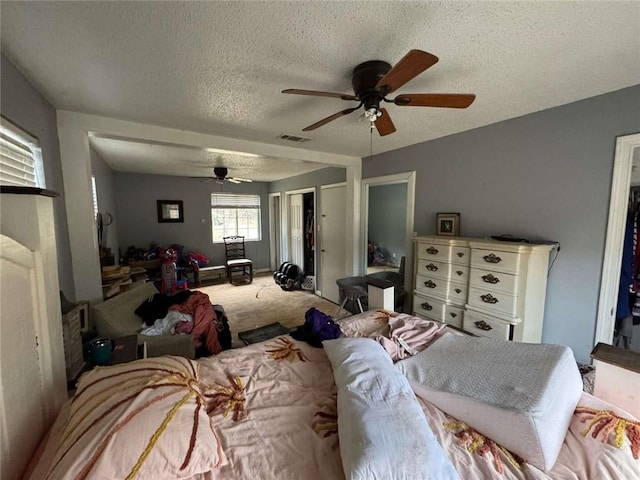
pixel 262 302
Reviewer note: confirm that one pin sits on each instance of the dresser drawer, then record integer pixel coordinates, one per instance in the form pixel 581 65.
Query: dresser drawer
pixel 496 260
pixel 492 280
pixel 453 315
pixel 493 301
pixel 443 253
pixel 428 307
pixel 448 271
pixel 456 292
pixel 485 326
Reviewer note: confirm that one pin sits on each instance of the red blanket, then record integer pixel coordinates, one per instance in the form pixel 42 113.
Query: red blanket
pixel 204 329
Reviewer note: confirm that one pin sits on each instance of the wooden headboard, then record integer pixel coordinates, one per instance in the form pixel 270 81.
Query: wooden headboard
pixel 32 369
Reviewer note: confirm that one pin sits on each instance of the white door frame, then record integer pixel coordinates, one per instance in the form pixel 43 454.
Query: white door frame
pixel 618 205
pixel 274 247
pixel 410 179
pixel 318 230
pixel 285 221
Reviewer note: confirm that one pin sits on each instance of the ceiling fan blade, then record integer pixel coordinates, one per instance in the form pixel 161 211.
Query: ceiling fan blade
pixel 384 124
pixel 445 100
pixel 412 64
pixel 330 119
pixel 232 180
pixel 241 179
pixel 315 93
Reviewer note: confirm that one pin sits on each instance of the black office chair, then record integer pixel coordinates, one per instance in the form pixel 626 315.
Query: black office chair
pixel 236 260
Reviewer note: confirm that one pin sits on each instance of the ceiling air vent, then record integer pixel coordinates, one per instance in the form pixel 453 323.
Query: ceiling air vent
pixel 293 138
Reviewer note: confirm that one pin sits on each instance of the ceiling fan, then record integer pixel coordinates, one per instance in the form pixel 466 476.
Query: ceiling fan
pixel 372 81
pixel 220 176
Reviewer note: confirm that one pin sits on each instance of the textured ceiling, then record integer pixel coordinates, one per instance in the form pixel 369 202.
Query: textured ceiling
pixel 143 157
pixel 219 67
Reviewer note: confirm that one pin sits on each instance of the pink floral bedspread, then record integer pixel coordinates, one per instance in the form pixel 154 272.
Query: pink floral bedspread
pixel 273 410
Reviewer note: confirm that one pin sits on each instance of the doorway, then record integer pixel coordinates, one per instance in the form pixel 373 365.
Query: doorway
pixel 301 232
pixel 626 147
pixel 399 239
pixel 275 228
pixel 332 239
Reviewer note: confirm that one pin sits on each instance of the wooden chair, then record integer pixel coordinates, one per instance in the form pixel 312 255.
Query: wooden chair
pixel 236 260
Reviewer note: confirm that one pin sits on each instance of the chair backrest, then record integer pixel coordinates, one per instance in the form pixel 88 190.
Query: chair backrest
pixel 234 247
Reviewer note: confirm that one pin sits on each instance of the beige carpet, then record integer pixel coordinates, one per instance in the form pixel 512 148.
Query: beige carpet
pixel 262 302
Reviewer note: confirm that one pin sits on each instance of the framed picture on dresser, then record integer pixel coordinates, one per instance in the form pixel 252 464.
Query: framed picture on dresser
pixel 448 224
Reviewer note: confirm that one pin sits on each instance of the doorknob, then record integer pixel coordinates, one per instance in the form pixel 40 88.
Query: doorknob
pixel 322 250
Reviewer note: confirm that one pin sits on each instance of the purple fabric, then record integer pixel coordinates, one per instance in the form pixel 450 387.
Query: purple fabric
pixel 321 325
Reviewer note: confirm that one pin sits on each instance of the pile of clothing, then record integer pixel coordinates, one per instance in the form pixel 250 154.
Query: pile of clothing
pixel 187 312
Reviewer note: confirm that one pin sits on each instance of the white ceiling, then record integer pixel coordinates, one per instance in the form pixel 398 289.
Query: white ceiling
pixel 219 67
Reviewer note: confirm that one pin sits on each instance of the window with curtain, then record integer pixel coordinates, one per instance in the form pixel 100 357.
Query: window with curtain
pixel 233 214
pixel 20 157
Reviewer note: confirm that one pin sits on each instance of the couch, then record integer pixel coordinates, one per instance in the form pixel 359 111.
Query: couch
pixel 115 318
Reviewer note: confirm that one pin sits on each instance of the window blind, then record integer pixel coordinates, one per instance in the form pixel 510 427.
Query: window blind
pixel 227 200
pixel 20 161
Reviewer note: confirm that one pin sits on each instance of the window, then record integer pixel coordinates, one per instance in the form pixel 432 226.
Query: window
pixel 235 215
pixel 20 157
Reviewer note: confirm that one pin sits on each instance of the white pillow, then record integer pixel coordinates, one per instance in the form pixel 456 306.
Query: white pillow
pixel 521 395
pixel 382 429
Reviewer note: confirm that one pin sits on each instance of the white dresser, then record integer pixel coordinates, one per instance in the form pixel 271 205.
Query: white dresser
pixel 485 287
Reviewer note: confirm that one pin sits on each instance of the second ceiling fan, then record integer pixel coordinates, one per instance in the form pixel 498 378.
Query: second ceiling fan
pixel 372 81
pixel 220 176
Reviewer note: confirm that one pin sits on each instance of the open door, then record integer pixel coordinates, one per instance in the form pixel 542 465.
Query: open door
pixel 333 239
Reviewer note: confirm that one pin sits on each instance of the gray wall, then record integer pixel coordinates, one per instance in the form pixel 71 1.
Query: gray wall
pixel 105 190
pixel 325 176
pixel 387 220
pixel 544 176
pixel 138 225
pixel 22 104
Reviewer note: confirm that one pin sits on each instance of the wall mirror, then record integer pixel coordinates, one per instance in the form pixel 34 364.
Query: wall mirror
pixel 170 211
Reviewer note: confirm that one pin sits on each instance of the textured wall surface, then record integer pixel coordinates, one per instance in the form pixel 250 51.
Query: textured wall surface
pixel 138 220
pixel 544 176
pixel 21 103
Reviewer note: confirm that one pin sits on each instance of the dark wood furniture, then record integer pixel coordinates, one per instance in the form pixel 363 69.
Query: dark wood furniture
pixel 236 259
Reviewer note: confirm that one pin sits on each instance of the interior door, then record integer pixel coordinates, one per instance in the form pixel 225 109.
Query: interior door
pixel 333 237
pixel 296 230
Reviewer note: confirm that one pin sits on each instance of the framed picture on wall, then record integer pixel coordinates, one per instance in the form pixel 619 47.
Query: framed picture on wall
pixel 170 211
pixel 448 224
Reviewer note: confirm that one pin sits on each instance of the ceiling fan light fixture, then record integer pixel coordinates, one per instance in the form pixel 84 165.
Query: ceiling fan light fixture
pixel 372 114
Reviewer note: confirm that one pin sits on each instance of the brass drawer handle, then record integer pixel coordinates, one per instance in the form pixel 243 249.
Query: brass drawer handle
pixel 459 272
pixel 430 284
pixel 432 268
pixel 492 258
pixel 482 325
pixel 453 315
pixel 458 290
pixel 432 251
pixel 461 254
pixel 490 279
pixel 488 298
pixel 426 306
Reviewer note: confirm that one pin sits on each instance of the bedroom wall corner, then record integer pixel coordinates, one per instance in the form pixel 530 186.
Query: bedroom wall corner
pixel 24 105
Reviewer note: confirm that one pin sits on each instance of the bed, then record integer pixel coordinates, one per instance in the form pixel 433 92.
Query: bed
pixel 270 410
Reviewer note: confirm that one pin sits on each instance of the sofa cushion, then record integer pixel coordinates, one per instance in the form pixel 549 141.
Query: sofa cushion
pixel 116 316
pixel 520 395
